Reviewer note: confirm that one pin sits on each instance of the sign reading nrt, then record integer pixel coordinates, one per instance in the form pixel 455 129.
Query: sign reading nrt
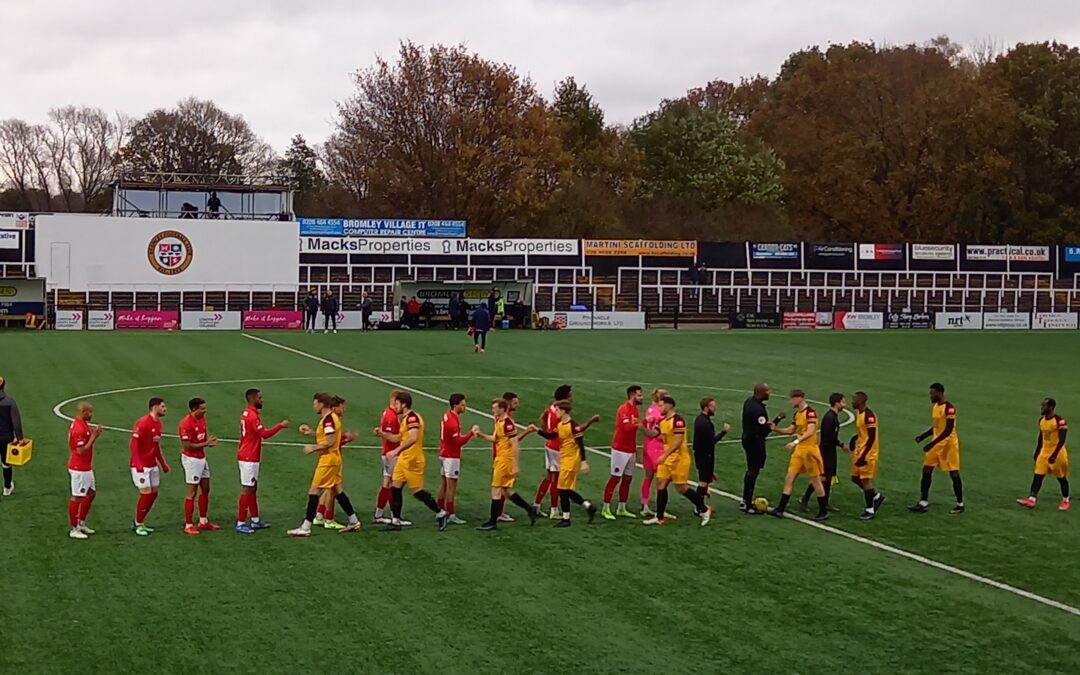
pixel 170 252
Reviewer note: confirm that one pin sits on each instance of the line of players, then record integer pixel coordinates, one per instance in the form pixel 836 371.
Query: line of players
pixel 666 457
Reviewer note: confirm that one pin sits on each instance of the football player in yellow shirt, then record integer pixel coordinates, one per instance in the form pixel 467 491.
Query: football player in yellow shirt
pixel 1050 455
pixel 673 466
pixel 864 455
pixel 409 469
pixel 571 437
pixel 328 475
pixel 805 456
pixel 506 466
pixel 942 452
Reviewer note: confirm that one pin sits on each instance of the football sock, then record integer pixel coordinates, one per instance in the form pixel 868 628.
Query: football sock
pixel 85 502
pixel 696 499
pixel 1036 485
pixel 189 510
pixel 782 506
pixel 502 506
pixel 624 490
pixel 7 476
pixel 428 500
pixel 826 483
pixel 449 506
pixel 1064 482
pixel 808 494
pixel 321 510
pixel 822 505
pixel 440 501
pixel 383 500
pixel 312 508
pixel 73 511
pixel 575 497
pixel 241 509
pixel 396 502
pixel 868 497
pixel 661 502
pixel 253 506
pixel 142 507
pixel 496 510
pixel 346 506
pixel 748 489
pixel 609 489
pixel 542 490
pixel 553 491
pixel 646 490
pixel 564 502
pixel 204 506
pixel 924 486
pixel 957 487
pixel 703 492
pixel 520 501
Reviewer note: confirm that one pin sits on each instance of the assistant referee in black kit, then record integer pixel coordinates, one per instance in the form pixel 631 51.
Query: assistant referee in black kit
pixel 756 427
pixel 829 443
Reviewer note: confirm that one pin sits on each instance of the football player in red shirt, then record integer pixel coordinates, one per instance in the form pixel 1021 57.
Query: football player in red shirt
pixel 81 440
pixel 248 456
pixel 146 457
pixel 389 430
pixel 193 442
pixel 549 424
pixel 451 441
pixel 624 452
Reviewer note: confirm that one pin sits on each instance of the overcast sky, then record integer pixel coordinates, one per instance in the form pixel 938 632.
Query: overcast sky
pixel 283 64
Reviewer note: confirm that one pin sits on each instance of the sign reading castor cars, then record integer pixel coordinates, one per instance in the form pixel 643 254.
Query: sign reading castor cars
pixel 170 252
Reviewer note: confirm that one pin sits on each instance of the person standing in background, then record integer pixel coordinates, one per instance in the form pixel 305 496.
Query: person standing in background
pixel 695 280
pixel 481 324
pixel 10 431
pixel 329 310
pixel 453 307
pixel 311 307
pixel 365 312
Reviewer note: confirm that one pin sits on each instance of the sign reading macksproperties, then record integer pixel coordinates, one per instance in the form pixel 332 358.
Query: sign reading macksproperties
pixel 437 246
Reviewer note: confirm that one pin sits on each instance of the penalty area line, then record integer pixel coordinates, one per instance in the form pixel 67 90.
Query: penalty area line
pixel 886 548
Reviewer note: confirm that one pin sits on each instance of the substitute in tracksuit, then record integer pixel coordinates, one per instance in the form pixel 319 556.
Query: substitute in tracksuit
pixel 10 430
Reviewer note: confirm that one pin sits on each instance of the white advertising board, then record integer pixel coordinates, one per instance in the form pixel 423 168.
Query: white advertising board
pixel 81 252
pixel 1006 321
pixel 597 320
pixel 1055 321
pixel 353 320
pixel 209 320
pixel 958 320
pixel 100 320
pixel 69 319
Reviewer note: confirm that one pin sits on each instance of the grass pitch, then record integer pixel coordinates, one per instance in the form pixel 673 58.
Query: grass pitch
pixel 741 595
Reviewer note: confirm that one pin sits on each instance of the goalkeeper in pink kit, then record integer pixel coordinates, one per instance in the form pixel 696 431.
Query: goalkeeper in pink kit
pixel 652 449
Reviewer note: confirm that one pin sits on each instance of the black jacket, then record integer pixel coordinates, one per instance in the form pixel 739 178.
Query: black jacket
pixel 10 420
pixel 311 304
pixel 830 432
pixel 329 304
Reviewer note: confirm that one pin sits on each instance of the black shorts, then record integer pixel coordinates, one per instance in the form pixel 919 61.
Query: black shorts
pixel 755 453
pixel 828 457
pixel 706 467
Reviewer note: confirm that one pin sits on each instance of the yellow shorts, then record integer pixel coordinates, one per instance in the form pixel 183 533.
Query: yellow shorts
pixel 502 474
pixel 806 461
pixel 1060 467
pixel 326 477
pixel 568 475
pixel 867 471
pixel 409 470
pixel 675 469
pixel 945 456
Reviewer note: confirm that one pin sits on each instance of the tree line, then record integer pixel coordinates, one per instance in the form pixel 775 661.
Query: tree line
pixel 849 142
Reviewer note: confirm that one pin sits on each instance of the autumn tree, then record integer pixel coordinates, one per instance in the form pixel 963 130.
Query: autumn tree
pixel 301 164
pixel 23 156
pixel 442 133
pixel 604 171
pixel 196 137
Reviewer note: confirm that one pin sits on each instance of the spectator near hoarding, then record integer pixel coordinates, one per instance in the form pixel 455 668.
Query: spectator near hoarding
pixel 365 312
pixel 453 307
pixel 10 430
pixel 481 325
pixel 311 307
pixel 329 310
pixel 412 312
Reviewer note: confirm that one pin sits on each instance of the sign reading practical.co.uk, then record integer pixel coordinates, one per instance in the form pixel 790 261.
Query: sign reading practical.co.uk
pixel 437 246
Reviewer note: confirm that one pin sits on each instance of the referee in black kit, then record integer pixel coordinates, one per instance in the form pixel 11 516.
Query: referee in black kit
pixel 756 427
pixel 829 442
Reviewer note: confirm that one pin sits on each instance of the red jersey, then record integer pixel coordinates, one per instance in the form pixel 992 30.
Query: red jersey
pixel 145 443
pixel 549 422
pixel 626 427
pixel 193 431
pixel 78 437
pixel 450 440
pixel 390 425
pixel 252 434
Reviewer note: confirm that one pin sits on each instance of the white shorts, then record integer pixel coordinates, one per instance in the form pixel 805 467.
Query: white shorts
pixel 195 469
pixel 388 466
pixel 82 482
pixel 147 478
pixel 450 467
pixel 551 460
pixel 249 473
pixel 622 463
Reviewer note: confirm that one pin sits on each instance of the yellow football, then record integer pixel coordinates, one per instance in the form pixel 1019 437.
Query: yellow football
pixel 761 504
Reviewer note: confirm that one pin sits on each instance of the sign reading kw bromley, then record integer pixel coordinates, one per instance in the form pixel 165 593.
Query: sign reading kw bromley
pixel 436 246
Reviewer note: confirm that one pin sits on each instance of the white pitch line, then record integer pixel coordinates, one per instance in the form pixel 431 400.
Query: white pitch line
pixel 821 526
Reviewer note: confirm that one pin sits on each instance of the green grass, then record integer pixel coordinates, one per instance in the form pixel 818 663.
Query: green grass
pixel 742 595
